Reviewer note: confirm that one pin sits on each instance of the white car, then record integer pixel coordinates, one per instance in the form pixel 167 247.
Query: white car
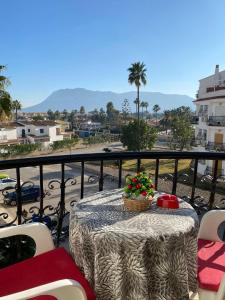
pixel 7 183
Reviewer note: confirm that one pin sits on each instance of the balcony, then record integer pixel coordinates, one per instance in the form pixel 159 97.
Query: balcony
pixel 216 121
pixel 195 120
pixel 211 146
pixel 215 88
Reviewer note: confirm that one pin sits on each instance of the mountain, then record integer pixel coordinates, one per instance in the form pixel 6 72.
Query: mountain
pixel 74 98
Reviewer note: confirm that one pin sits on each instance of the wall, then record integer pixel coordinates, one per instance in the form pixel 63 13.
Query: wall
pixel 7 134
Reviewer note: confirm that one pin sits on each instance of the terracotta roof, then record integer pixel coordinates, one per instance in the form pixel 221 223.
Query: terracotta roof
pixel 40 123
pixel 10 125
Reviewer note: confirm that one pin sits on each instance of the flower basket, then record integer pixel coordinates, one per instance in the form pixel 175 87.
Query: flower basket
pixel 137 205
pixel 138 192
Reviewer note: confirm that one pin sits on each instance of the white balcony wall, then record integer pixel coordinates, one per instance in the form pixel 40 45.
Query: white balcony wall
pixel 53 134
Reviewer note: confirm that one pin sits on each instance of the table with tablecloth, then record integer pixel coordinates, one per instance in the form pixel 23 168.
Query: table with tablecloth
pixel 148 255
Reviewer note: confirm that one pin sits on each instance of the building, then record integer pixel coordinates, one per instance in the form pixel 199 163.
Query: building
pixel 9 133
pixel 210 110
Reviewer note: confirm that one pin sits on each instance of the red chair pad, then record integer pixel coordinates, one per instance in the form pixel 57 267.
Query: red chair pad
pixel 54 265
pixel 211 264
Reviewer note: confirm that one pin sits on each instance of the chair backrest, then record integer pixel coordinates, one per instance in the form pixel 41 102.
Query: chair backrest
pixel 209 225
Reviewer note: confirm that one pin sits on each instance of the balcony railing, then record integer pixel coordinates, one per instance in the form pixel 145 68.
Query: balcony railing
pixel 215 146
pixel 82 174
pixel 215 88
pixel 195 120
pixel 216 121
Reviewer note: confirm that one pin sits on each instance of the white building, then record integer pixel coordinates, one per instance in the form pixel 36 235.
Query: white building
pixel 8 133
pixel 210 108
pixel 45 132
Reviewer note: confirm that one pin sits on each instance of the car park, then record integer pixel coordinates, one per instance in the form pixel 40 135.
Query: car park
pixel 28 194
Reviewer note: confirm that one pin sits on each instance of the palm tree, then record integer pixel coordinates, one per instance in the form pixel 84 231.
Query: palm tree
pixel 142 105
pixel 137 75
pixel 16 105
pixel 5 99
pixel 146 107
pixel 156 108
pixel 136 103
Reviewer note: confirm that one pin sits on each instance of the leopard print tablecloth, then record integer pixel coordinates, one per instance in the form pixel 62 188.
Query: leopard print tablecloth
pixel 134 256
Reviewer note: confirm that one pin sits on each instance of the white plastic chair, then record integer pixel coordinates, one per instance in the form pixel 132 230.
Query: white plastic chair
pixel 209 231
pixel 61 289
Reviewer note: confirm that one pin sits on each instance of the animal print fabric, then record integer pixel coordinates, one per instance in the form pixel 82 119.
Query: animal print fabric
pixel 134 256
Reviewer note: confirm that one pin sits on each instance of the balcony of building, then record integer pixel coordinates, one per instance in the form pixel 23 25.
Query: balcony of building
pixel 216 121
pixel 195 120
pixel 67 180
pixel 212 146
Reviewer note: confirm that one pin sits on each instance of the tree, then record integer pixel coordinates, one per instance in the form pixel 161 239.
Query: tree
pixel 136 103
pixel 125 109
pixel 156 108
pixel 65 115
pixel 82 110
pixel 132 132
pixel 181 127
pixel 137 76
pixel 5 98
pixel 142 105
pixel 51 114
pixel 16 105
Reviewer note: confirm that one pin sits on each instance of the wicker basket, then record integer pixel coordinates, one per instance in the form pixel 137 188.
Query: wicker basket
pixel 137 205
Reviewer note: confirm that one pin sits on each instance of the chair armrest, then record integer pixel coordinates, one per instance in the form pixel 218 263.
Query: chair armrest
pixel 61 289
pixel 209 225
pixel 221 292
pixel 37 231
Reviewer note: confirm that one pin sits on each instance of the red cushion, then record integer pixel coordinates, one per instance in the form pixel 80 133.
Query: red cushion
pixel 211 264
pixel 45 268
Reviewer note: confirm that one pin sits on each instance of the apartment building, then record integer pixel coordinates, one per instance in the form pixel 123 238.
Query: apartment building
pixel 210 110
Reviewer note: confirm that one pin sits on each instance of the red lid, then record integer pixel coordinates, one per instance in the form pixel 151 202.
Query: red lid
pixel 168 201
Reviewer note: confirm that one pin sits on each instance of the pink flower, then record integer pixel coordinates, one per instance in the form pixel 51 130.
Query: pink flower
pixel 134 180
pixel 129 186
pixel 138 186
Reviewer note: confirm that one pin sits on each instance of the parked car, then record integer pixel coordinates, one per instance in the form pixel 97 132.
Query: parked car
pixel 28 194
pixel 7 183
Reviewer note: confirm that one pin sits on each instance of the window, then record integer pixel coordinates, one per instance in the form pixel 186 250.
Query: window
pixel 28 129
pixel 41 130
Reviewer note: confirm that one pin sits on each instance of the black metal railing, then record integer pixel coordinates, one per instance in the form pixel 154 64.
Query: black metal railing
pixel 204 192
pixel 211 146
pixel 216 121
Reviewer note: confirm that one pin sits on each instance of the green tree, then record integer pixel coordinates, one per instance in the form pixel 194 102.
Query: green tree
pixel 181 127
pixel 136 104
pixel 156 108
pixel 51 114
pixel 142 105
pixel 82 110
pixel 137 75
pixel 16 105
pixel 5 98
pixel 132 132
pixel 125 109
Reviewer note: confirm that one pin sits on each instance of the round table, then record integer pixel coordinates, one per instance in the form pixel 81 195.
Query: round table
pixel 137 256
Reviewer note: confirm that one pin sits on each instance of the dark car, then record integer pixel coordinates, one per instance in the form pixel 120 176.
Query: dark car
pixel 28 194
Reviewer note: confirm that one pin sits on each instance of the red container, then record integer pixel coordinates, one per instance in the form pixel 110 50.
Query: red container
pixel 168 201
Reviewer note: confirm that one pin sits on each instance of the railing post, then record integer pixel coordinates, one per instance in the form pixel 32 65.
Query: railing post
pixel 41 210
pixel 18 196
pixel 82 181
pixel 61 203
pixel 194 181
pixel 138 165
pixel 174 189
pixel 120 173
pixel 101 179
pixel 213 189
pixel 156 173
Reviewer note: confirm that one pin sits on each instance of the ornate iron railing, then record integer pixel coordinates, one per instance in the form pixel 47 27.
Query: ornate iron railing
pixel 216 121
pixel 106 170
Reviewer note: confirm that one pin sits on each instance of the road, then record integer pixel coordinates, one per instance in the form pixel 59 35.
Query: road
pixel 52 173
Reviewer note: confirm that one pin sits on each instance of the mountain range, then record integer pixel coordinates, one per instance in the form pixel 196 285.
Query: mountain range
pixel 70 99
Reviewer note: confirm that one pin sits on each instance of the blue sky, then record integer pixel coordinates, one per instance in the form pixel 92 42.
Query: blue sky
pixel 53 44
